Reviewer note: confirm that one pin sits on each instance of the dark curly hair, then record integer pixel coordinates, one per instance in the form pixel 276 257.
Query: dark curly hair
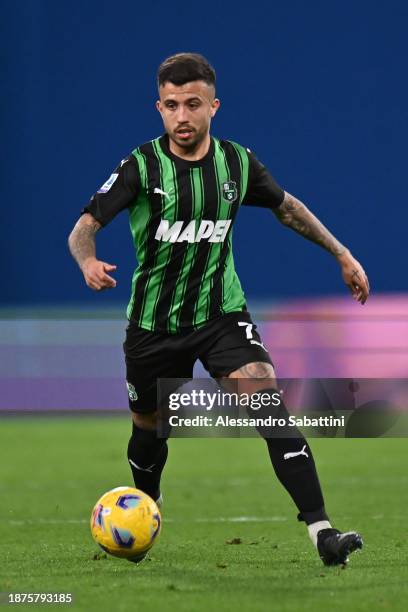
pixel 185 67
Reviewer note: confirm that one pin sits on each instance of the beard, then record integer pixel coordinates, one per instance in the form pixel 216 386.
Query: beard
pixel 191 143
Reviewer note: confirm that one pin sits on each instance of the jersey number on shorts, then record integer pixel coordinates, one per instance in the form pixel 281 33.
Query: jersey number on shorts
pixel 248 332
pixel 248 329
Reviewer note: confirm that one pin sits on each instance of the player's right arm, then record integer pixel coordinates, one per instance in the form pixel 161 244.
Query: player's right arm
pixel 118 193
pixel 82 246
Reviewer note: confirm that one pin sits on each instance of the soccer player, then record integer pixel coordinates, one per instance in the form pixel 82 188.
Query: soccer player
pixel 182 192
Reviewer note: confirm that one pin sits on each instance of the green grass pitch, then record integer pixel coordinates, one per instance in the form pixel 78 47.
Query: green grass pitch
pixel 53 470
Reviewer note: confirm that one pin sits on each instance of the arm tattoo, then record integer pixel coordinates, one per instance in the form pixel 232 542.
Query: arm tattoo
pixel 82 240
pixel 293 213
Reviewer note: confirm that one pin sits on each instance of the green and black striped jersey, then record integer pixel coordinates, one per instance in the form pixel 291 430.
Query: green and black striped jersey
pixel 181 217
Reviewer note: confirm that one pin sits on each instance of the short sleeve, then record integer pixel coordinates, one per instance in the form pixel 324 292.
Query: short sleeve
pixel 117 193
pixel 262 188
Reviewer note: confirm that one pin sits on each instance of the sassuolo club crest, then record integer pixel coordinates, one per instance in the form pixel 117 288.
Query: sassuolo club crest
pixel 230 191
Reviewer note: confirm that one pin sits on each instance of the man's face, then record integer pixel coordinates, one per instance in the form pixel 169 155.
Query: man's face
pixel 187 111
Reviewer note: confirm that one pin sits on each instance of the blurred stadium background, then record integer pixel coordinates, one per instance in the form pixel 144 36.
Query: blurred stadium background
pixel 314 89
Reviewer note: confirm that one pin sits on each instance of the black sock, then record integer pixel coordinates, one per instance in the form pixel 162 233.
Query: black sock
pixel 296 472
pixel 147 456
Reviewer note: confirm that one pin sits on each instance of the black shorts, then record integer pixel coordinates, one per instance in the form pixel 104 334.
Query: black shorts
pixel 222 345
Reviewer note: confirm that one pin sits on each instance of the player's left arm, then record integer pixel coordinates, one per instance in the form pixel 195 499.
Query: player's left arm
pixel 294 214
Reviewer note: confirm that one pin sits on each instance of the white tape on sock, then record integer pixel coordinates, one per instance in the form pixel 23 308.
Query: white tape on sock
pixel 314 529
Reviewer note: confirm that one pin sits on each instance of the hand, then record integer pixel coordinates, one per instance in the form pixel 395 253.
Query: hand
pixel 95 274
pixel 354 276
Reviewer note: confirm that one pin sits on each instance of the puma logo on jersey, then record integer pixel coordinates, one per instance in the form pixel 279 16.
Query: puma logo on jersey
pixel 163 193
pixel 206 230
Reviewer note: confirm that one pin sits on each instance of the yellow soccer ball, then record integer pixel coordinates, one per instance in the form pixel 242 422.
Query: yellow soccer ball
pixel 126 522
